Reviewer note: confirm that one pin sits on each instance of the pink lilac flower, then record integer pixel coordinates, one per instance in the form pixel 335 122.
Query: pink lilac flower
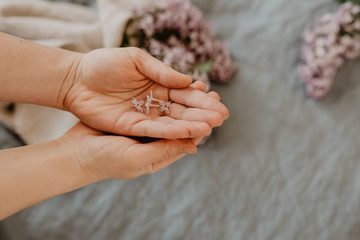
pixel 223 66
pixel 176 33
pixel 334 39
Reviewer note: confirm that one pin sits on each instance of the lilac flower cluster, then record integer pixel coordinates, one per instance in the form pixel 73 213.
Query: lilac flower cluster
pixel 334 39
pixel 175 32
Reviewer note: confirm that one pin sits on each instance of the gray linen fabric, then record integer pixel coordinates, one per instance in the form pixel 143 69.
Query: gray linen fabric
pixel 282 167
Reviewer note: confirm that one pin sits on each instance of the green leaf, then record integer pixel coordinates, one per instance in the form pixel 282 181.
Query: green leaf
pixel 354 1
pixel 203 67
pixel 125 42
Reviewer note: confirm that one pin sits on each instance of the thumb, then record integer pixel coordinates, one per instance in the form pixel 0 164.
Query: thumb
pixel 158 71
pixel 159 151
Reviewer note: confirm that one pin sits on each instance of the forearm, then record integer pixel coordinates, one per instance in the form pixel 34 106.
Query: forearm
pixel 33 73
pixel 31 174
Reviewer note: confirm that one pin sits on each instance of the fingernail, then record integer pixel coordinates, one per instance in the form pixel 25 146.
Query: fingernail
pixel 189 150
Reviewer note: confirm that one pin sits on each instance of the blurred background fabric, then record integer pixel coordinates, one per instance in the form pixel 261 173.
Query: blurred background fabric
pixel 64 25
pixel 282 167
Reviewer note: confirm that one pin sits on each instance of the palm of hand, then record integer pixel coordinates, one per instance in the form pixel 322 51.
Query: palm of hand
pixel 108 79
pixel 103 156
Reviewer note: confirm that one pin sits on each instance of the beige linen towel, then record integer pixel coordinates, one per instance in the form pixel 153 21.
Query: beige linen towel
pixel 66 26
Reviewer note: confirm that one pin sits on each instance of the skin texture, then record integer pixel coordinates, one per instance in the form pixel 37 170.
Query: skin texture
pixel 101 88
pixel 79 158
pixel 98 88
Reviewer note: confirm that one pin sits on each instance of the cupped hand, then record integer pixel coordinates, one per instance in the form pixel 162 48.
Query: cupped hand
pixel 101 156
pixel 104 82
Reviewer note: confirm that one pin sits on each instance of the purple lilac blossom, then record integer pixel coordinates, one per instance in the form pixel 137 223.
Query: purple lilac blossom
pixel 334 39
pixel 175 32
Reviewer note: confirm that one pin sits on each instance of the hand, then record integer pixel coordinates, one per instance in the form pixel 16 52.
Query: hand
pixel 101 89
pixel 103 156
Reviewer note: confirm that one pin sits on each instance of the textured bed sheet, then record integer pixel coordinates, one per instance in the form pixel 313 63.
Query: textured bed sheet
pixel 282 167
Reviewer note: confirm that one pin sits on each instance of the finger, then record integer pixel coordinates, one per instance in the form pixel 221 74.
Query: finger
pixel 199 85
pixel 191 97
pixel 178 111
pixel 161 150
pixel 214 95
pixel 165 127
pixel 198 140
pixel 158 71
pixel 81 129
pixel 157 166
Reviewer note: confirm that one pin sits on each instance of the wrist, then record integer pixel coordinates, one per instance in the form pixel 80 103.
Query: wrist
pixel 74 171
pixel 79 156
pixel 35 173
pixel 71 65
pixel 34 73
